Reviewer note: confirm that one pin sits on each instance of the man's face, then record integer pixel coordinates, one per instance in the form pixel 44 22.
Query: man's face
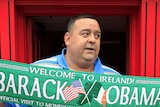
pixel 83 41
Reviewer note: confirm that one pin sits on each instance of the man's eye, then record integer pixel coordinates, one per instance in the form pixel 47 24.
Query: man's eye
pixel 85 34
pixel 97 36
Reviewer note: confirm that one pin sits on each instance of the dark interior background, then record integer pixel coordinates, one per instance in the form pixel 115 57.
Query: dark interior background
pixel 114 45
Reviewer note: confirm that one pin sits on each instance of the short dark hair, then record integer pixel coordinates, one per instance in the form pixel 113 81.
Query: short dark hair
pixel 72 20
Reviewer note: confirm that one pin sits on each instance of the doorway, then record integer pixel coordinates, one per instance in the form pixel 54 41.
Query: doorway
pixel 114 45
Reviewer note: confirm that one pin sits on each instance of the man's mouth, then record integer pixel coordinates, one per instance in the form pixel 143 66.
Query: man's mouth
pixel 89 48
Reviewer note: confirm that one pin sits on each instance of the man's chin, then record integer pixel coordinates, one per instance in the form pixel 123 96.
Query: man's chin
pixel 90 58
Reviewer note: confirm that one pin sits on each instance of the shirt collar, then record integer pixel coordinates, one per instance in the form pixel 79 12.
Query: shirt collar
pixel 98 66
pixel 62 60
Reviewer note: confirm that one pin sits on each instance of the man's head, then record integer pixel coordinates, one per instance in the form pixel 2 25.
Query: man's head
pixel 82 40
pixel 74 19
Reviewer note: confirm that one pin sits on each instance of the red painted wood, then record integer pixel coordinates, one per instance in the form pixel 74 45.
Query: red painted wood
pixel 135 44
pixel 150 38
pixel 12 31
pixel 29 40
pixel 79 2
pixel 5 39
pixel 157 67
pixel 67 7
pixel 133 38
pixel 142 37
pixel 72 10
pixel 21 37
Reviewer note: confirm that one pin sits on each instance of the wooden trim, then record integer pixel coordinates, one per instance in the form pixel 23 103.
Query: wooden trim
pixel 21 37
pixel 12 31
pixel 4 25
pixel 73 10
pixel 29 41
pixel 79 3
pixel 132 47
pixel 142 38
pixel 150 38
pixel 157 67
pixel 68 7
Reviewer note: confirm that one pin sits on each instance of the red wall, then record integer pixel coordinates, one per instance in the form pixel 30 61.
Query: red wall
pixel 150 38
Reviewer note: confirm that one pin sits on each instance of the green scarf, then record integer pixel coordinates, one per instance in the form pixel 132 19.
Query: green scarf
pixel 49 87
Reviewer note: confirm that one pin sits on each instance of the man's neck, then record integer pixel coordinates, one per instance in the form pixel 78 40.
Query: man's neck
pixel 79 66
pixel 85 69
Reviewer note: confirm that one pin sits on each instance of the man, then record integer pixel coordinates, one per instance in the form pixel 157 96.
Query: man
pixel 82 41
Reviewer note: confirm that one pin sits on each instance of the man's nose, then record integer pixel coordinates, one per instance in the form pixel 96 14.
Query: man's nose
pixel 92 38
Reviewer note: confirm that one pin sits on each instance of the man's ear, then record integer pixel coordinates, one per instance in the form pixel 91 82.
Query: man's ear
pixel 67 38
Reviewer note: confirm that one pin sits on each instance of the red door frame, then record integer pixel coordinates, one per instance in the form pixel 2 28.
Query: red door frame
pixel 141 60
pixel 150 38
pixel 157 65
pixel 4 34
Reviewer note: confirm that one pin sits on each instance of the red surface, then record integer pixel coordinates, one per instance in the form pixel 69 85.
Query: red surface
pixel 12 31
pixel 4 37
pixel 157 65
pixel 144 36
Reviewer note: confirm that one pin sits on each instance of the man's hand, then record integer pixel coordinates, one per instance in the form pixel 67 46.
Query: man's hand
pixel 2 104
